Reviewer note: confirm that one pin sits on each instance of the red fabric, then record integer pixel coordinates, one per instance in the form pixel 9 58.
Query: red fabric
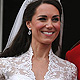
pixel 74 57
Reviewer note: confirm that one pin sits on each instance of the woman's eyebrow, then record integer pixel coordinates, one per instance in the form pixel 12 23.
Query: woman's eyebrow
pixel 42 16
pixel 56 16
pixel 46 16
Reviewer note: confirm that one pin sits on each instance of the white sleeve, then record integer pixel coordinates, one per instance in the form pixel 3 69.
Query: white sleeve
pixel 74 72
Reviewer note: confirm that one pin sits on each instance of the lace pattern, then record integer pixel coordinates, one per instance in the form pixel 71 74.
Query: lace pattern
pixel 20 68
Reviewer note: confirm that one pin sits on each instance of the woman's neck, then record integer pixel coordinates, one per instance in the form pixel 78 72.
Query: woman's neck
pixel 40 50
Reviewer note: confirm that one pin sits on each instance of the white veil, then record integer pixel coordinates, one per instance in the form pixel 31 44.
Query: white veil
pixel 18 23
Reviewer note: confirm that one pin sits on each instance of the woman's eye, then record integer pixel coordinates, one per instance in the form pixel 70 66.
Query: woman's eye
pixel 42 19
pixel 55 19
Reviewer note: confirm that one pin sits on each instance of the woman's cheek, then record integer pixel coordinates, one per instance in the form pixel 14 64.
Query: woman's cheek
pixel 57 26
pixel 39 25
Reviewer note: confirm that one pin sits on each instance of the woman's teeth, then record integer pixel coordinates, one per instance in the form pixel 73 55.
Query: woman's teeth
pixel 49 33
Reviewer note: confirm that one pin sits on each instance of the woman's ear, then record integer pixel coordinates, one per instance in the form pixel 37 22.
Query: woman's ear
pixel 28 24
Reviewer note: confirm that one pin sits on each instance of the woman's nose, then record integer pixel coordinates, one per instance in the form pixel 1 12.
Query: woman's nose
pixel 49 25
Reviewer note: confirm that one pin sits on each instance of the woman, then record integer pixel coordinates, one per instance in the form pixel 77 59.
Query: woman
pixel 73 56
pixel 30 55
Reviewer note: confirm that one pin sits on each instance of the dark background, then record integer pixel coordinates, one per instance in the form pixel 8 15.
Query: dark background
pixel 71 33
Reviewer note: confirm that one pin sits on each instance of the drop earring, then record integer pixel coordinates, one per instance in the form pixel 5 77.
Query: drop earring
pixel 29 33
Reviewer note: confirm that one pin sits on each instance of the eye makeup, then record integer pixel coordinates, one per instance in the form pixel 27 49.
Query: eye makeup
pixel 55 18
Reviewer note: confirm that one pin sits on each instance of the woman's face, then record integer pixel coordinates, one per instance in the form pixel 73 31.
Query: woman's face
pixel 45 24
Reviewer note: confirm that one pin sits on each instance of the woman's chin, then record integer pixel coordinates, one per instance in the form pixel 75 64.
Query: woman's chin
pixel 48 42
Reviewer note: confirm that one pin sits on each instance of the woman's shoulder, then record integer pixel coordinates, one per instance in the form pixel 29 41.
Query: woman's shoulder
pixel 71 69
pixel 6 61
pixel 13 61
pixel 65 64
pixel 68 66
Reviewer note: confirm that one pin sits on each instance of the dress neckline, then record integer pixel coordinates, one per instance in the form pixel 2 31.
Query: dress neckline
pixel 31 53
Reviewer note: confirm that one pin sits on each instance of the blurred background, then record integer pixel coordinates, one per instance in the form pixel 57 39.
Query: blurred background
pixel 71 30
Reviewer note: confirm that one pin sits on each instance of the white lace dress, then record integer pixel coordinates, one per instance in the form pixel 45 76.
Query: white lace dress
pixel 20 68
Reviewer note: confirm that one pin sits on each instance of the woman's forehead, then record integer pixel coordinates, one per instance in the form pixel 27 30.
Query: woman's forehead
pixel 47 9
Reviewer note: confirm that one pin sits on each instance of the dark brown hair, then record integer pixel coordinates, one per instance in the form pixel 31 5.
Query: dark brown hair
pixel 22 40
